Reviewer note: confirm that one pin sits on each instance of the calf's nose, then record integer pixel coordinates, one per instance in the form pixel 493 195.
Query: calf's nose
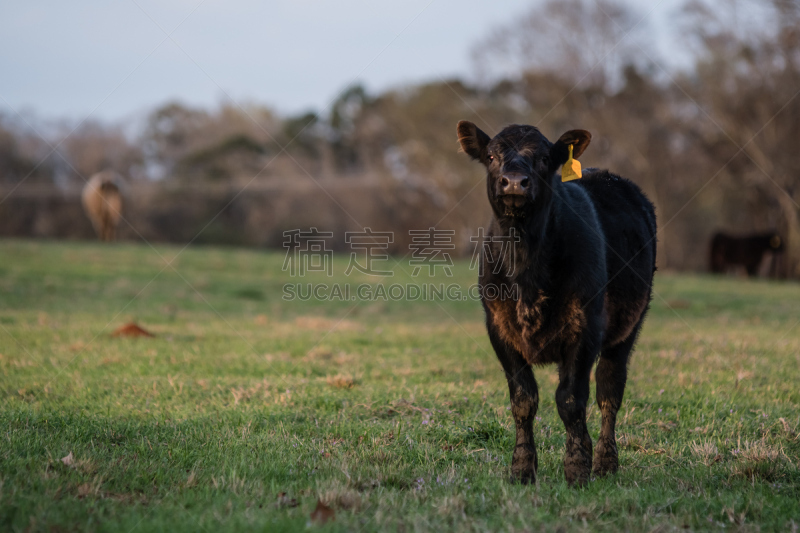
pixel 514 183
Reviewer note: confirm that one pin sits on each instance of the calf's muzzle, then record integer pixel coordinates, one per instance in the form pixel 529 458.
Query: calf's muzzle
pixel 514 184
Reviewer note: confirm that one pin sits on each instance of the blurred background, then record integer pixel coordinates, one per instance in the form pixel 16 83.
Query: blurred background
pixel 230 123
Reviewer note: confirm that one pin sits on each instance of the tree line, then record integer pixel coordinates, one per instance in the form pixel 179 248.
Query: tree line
pixel 712 142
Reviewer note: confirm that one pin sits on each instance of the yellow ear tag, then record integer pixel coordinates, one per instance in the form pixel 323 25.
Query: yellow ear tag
pixel 571 169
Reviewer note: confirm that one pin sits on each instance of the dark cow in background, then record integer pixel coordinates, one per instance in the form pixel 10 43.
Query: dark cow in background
pixel 581 272
pixel 727 252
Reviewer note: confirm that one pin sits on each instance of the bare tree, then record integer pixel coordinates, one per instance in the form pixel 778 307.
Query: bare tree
pixel 746 80
pixel 582 41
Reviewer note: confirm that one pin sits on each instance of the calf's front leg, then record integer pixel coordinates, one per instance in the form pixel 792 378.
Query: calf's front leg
pixel 524 395
pixel 571 397
pixel 524 404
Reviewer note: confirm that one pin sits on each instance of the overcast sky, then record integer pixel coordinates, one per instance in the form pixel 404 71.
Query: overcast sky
pixel 114 60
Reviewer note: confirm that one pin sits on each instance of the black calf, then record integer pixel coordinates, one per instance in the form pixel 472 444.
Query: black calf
pixel 581 273
pixel 726 252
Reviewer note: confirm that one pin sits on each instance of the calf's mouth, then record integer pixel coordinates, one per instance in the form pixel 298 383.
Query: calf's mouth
pixel 514 205
pixel 514 200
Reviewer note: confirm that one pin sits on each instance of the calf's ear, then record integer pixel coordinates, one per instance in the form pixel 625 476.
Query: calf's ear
pixel 579 139
pixel 473 141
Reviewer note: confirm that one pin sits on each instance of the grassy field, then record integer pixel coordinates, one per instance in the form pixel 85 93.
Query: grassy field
pixel 245 410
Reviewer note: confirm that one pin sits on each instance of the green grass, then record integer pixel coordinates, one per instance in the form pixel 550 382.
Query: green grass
pixel 393 413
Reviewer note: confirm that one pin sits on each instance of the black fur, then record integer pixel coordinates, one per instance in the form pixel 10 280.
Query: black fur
pixel 581 276
pixel 726 252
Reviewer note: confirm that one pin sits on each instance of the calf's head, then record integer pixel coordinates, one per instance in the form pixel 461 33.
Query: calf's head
pixel 521 164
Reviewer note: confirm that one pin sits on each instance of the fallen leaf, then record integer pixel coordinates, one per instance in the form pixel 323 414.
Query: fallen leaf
pixel 131 329
pixel 69 460
pixel 322 514
pixel 84 490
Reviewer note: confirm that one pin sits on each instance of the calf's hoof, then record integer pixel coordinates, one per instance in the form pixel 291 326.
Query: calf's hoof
pixel 576 477
pixel 523 477
pixel 578 464
pixel 524 464
pixel 606 460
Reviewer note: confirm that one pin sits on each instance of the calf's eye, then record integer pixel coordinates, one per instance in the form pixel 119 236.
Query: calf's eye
pixel 490 158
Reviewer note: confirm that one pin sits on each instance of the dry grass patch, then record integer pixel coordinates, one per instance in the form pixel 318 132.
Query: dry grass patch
pixel 342 382
pixel 706 451
pixel 245 394
pixel 758 460
pixel 341 497
pixel 583 512
pixel 281 357
pixel 760 451
pixel 319 353
pixel 452 506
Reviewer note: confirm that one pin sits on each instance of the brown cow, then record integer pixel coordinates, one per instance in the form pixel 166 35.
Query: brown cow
pixel 102 201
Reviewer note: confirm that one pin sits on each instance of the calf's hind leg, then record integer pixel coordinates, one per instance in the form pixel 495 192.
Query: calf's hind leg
pixel 611 376
pixel 524 395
